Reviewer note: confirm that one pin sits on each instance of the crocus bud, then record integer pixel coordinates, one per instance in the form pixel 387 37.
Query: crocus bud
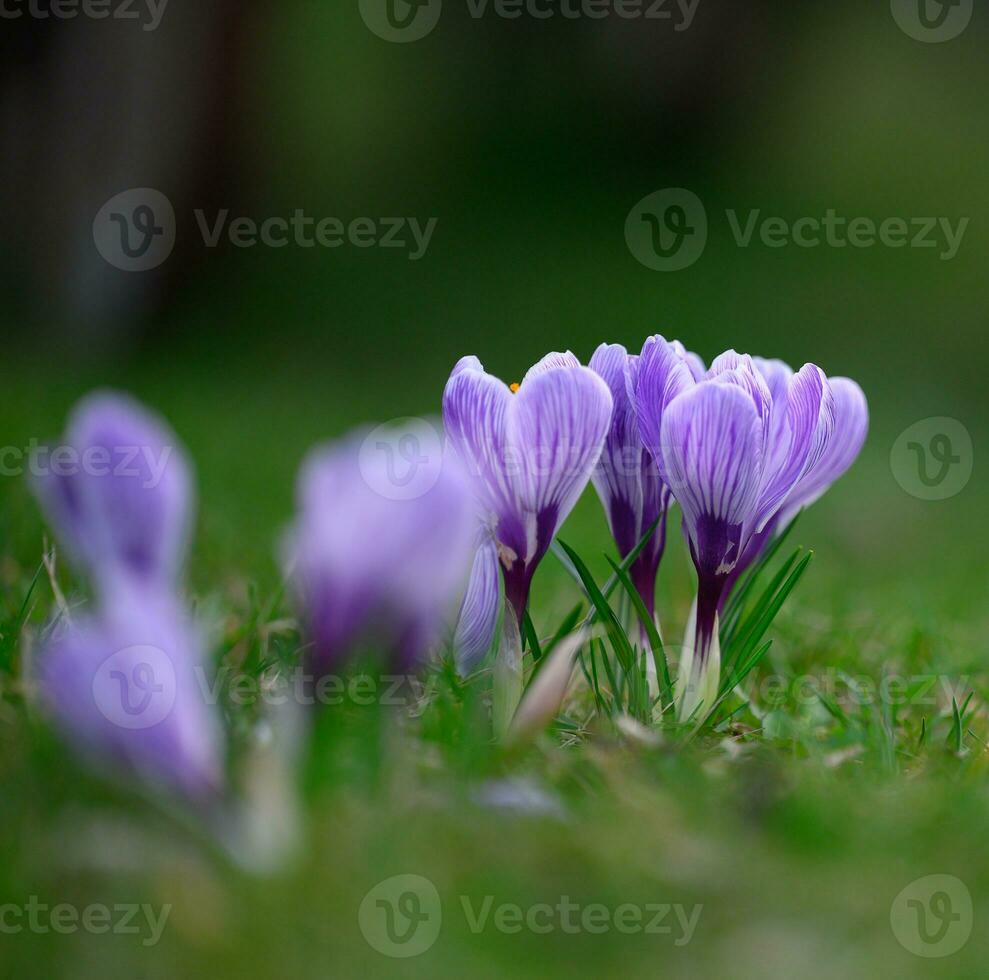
pixel 127 686
pixel 117 491
pixel 381 546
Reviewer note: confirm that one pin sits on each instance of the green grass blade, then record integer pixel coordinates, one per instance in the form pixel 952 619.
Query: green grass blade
pixel 652 634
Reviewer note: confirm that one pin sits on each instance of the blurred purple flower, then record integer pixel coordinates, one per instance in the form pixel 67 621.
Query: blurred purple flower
pixel 118 492
pixel 377 569
pixel 627 478
pixel 530 450
pixel 127 682
pixel 127 686
pixel 733 447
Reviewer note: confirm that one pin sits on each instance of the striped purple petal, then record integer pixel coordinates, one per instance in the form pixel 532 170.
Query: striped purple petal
pixel 627 478
pixel 662 375
pixel 798 443
pixel 851 425
pixel 712 447
pixel 478 617
pixel 530 454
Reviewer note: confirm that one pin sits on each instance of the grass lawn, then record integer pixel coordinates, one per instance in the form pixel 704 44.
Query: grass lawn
pixel 780 843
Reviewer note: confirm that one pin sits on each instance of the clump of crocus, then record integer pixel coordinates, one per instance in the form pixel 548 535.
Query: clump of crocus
pixel 377 569
pixel 126 682
pixel 731 462
pixel 530 450
pixel 627 478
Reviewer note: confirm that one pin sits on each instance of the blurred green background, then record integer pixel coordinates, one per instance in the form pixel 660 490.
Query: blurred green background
pixel 529 141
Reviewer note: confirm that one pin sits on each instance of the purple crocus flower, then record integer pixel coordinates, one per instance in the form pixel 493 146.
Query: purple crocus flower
pixel 851 424
pixel 117 491
pixel 126 682
pixel 627 478
pixel 530 450
pixel 376 569
pixel 730 465
pixel 128 687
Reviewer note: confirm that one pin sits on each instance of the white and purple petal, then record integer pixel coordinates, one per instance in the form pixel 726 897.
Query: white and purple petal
pixel 797 445
pixel 851 425
pixel 712 447
pixel 478 617
pixel 627 478
pixel 663 374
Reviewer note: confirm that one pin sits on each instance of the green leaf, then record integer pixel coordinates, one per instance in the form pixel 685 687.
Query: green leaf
pixel 762 616
pixel 564 554
pixel 532 641
pixel 652 634
pixel 616 635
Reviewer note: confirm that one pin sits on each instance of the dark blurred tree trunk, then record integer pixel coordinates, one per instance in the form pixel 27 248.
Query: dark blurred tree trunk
pixel 91 108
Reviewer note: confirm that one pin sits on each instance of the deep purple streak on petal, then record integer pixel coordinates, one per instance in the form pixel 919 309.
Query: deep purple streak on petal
pixel 710 590
pixel 751 553
pixel 712 437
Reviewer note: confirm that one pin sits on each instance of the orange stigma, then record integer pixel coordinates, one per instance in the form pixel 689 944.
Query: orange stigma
pixel 514 387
